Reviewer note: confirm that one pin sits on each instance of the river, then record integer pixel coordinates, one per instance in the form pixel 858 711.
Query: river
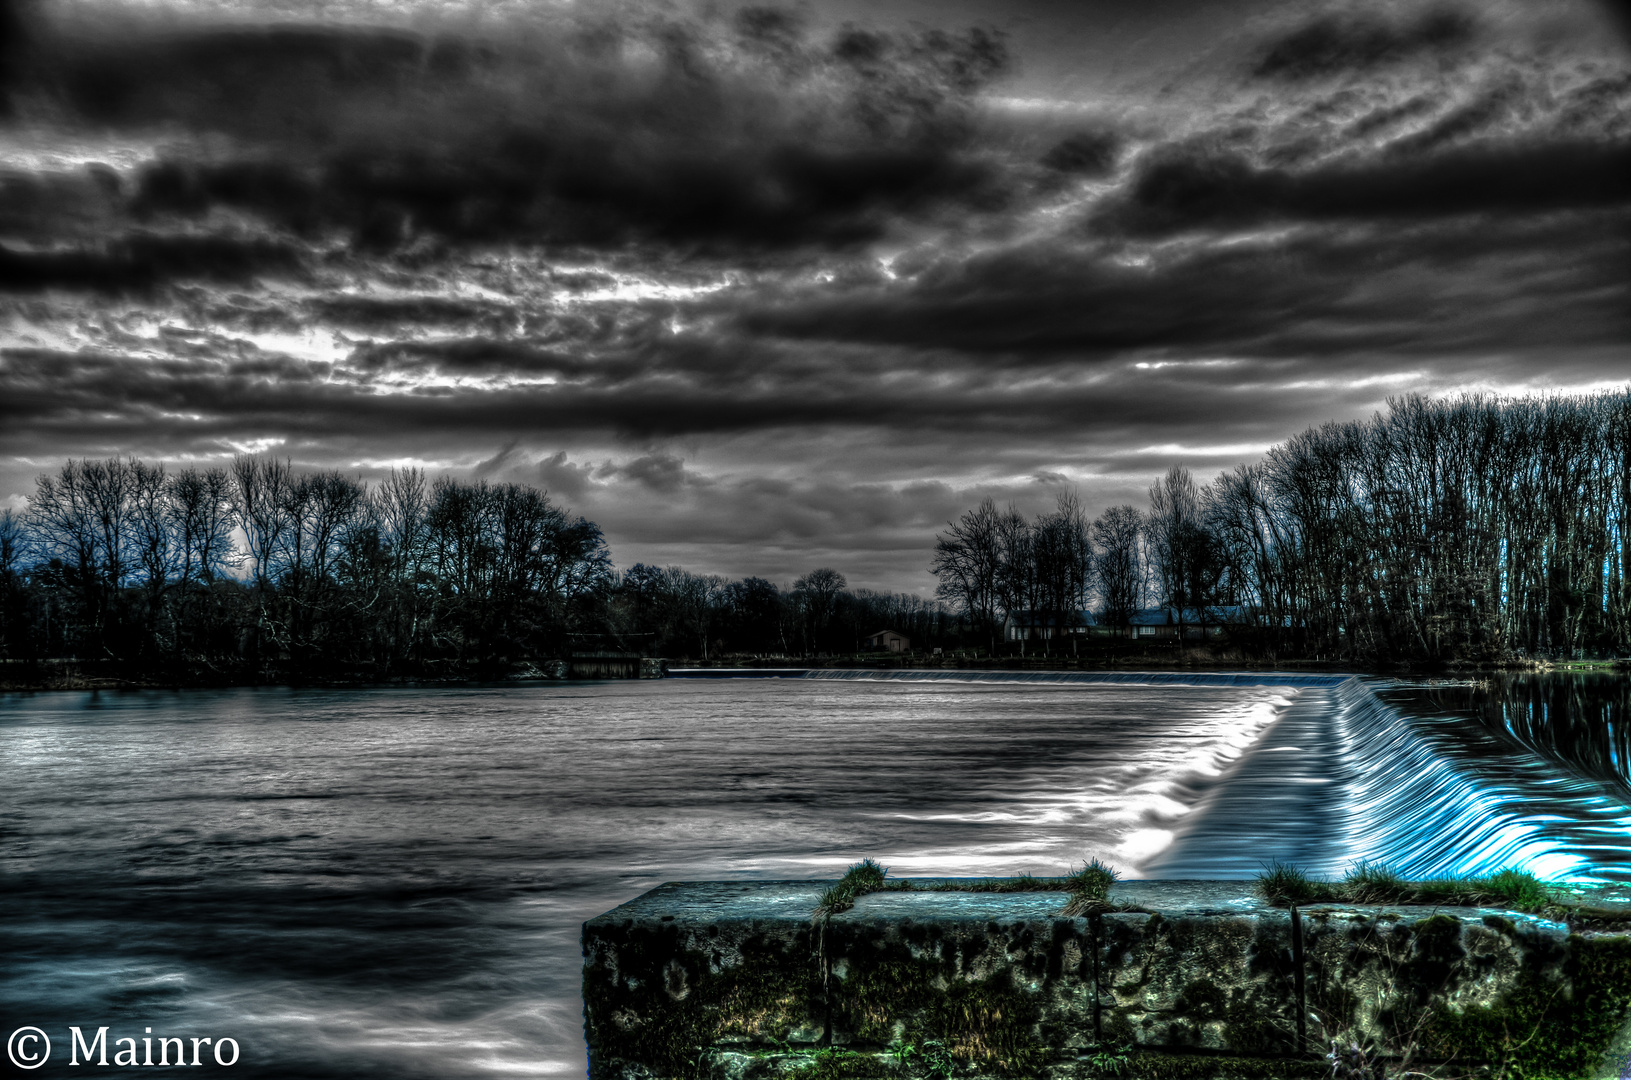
pixel 390 882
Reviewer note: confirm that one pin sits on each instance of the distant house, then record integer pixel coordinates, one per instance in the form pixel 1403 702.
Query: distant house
pixel 889 641
pixel 1157 623
pixel 1035 626
pixel 1165 622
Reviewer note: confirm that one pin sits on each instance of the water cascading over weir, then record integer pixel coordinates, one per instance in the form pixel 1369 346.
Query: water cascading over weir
pixel 1342 778
pixel 1188 973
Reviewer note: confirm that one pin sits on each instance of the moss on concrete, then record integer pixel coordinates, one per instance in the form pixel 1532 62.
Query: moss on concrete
pixel 664 1002
pixel 1546 1028
pixel 1211 982
pixel 720 981
pixel 1516 996
pixel 926 990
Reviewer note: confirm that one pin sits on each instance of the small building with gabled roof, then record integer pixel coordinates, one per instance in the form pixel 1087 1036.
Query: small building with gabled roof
pixel 889 641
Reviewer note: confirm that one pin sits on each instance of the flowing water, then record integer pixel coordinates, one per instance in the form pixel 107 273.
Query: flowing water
pixel 390 882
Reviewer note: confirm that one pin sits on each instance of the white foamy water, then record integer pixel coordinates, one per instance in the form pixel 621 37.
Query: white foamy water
pixel 390 882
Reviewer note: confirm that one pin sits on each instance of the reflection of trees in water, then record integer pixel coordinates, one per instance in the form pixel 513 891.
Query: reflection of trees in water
pixel 1580 721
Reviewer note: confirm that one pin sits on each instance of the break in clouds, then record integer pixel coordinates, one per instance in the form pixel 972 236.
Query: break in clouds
pixel 760 289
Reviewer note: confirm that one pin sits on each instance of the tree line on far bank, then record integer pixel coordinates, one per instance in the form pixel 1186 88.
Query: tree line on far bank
pixel 703 616
pixel 1474 530
pixel 228 571
pixel 1441 531
pixel 258 570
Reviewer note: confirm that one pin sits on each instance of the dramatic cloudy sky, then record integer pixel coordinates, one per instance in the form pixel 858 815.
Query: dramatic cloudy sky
pixel 763 289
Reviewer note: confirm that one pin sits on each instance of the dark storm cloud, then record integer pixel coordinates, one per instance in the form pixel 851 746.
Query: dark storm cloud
pixel 754 134
pixel 479 356
pixel 1492 212
pixel 1183 187
pixel 1620 12
pixel 660 472
pixel 140 263
pixel 103 400
pixel 1086 153
pixel 1503 138
pixel 49 206
pixel 387 315
pixel 563 477
pixel 766 510
pixel 1315 293
pixel 1348 42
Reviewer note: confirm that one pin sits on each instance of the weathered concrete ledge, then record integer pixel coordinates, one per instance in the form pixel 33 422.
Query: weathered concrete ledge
pixel 1189 979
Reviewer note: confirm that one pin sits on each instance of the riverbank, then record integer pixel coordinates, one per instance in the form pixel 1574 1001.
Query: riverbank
pixel 1192 658
pixel 76 674
pixel 21 676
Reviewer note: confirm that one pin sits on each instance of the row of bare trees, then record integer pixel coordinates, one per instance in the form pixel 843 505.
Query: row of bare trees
pixel 236 569
pixel 1479 529
pixel 1475 529
pixel 677 613
pixel 995 563
pixel 258 569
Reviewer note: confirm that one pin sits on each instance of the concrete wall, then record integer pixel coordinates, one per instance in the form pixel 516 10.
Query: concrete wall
pixel 1175 979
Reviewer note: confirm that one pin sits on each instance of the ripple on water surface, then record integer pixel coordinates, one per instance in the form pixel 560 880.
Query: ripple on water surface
pixel 390 882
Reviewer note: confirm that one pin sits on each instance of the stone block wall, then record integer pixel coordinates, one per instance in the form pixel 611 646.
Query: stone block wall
pixel 1172 979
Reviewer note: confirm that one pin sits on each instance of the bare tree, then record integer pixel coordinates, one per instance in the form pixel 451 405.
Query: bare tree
pixel 260 497
pixel 1063 556
pixel 334 505
pixel 695 599
pixel 1016 575
pixel 201 521
pixel 13 542
pixel 1189 570
pixel 338 574
pixel 820 589
pixel 63 522
pixel 1119 565
pixel 401 506
pixel 82 518
pixel 968 562
pixel 14 545
pixel 150 516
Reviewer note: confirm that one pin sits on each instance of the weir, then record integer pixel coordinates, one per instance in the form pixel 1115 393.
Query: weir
pixel 1192 975
pixel 1340 778
pixel 1123 678
pixel 1343 778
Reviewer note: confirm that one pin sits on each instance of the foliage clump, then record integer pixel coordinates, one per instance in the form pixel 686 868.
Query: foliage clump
pixel 1090 888
pixel 1286 885
pixel 1370 883
pixel 864 877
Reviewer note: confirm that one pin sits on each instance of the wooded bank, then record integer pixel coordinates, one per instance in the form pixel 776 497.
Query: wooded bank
pixel 1443 532
pixel 1470 533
